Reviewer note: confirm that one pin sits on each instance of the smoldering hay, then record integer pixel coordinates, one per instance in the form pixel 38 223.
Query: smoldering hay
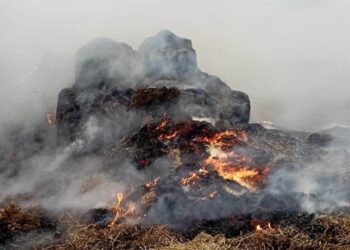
pixel 147 132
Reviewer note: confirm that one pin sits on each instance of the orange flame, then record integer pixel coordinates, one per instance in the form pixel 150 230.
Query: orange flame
pixel 191 179
pixel 232 165
pixel 167 136
pixel 261 228
pixel 225 139
pixel 152 183
pixel 203 172
pixel 121 212
pixel 247 177
pixel 212 195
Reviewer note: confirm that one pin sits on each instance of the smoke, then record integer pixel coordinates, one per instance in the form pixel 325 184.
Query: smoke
pixel 290 58
pixel 324 183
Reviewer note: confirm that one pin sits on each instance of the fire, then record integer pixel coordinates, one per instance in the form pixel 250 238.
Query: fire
pixel 262 228
pixel 247 177
pixel 121 212
pixel 229 164
pixel 203 172
pixel 51 117
pixel 191 179
pixel 212 195
pixel 162 126
pixel 225 139
pixel 163 123
pixel 223 159
pixel 152 183
pixel 167 136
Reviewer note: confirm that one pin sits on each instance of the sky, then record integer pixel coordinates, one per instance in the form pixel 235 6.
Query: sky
pixel 291 57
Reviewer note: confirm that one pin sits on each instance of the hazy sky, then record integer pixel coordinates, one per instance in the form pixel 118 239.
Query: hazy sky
pixel 291 57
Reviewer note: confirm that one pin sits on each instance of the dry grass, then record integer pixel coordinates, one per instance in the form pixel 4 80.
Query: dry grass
pixel 14 219
pixel 122 236
pixel 336 235
pixel 327 232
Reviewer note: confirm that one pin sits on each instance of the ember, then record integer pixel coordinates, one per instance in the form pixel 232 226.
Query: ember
pixel 190 180
pixel 152 183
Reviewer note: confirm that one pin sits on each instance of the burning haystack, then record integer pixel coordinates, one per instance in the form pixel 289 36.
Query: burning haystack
pixel 145 150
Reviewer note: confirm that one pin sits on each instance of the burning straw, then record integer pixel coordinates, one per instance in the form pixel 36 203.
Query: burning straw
pixel 324 232
pixel 118 236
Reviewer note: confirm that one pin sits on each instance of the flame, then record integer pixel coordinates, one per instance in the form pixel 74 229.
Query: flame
pixel 167 136
pixel 163 123
pixel 223 159
pixel 203 172
pixel 152 183
pixel 51 117
pixel 261 228
pixel 212 195
pixel 225 139
pixel 247 177
pixel 229 164
pixel 191 179
pixel 121 212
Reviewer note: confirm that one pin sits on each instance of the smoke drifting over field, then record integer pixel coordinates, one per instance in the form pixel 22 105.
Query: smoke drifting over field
pixel 291 58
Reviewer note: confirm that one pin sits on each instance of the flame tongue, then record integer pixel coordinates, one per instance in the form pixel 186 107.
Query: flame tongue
pixel 120 211
pixel 192 178
pixel 152 183
pixel 229 164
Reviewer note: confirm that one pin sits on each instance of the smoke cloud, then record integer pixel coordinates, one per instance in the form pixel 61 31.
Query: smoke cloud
pixel 290 58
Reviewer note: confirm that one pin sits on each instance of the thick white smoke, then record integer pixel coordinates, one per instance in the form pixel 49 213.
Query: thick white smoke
pixel 291 57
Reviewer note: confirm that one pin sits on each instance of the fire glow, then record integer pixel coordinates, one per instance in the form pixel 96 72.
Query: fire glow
pixel 152 183
pixel 231 165
pixel 223 159
pixel 120 211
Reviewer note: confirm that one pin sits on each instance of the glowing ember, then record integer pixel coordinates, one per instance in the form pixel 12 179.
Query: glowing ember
pixel 163 123
pixel 203 172
pixel 167 136
pixel 152 183
pixel 212 195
